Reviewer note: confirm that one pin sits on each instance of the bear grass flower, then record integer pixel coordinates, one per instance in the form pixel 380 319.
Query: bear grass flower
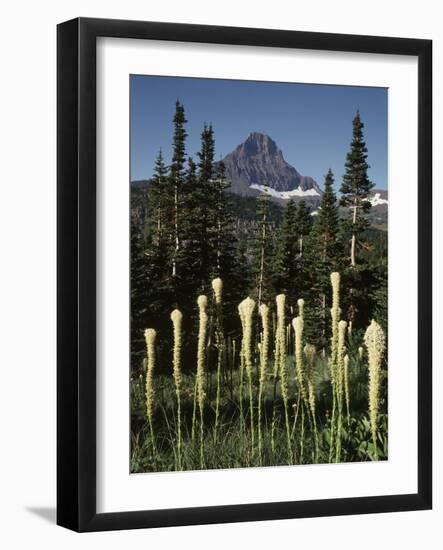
pixel 202 303
pixel 150 336
pixel 247 310
pixel 297 325
pixel 375 345
pixel 332 361
pixel 177 318
pixel 282 367
pixel 340 376
pixel 264 352
pixel 217 287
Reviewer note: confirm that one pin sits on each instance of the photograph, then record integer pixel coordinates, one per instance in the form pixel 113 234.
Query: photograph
pixel 220 277
pixel 259 274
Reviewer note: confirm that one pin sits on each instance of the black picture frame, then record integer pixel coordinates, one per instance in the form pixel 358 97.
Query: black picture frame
pixel 76 265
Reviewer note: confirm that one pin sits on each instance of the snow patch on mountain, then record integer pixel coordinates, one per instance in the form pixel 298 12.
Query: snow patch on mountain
pixel 285 195
pixel 377 200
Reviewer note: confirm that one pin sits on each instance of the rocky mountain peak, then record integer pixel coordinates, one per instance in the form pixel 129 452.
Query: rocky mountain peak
pixel 258 163
pixel 260 144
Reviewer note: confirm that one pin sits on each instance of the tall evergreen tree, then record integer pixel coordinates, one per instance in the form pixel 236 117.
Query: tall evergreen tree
pixel 325 256
pixel 223 219
pixel 194 230
pixel 207 208
pixel 328 246
pixel 158 204
pixel 206 154
pixel 199 218
pixel 356 186
pixel 177 176
pixel 262 251
pixel 286 264
pixel 229 261
pixel 158 251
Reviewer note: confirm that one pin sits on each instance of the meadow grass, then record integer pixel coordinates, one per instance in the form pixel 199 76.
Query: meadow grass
pixel 233 448
pixel 261 406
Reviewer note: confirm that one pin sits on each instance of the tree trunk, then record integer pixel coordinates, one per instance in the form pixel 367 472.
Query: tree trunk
pixel 354 219
pixel 260 280
pixel 262 260
pixel 353 250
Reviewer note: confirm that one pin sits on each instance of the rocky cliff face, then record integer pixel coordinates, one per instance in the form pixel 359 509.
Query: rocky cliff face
pixel 258 165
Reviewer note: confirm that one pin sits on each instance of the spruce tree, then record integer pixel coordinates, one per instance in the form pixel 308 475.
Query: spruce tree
pixel 229 261
pixel 206 208
pixel 138 296
pixel 262 251
pixel 176 177
pixel 325 256
pixel 328 243
pixel 194 231
pixel 286 264
pixel 206 154
pixel 356 186
pixel 199 219
pixel 223 225
pixel 158 205
pixel 158 253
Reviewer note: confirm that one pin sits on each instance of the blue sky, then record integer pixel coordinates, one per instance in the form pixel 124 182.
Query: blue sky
pixel 312 124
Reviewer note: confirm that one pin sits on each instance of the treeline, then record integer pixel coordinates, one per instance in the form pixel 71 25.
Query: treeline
pixel 191 232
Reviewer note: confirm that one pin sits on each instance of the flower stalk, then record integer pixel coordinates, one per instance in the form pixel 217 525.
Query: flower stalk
pixel 217 286
pixel 310 354
pixel 341 351
pixel 248 306
pixel 332 362
pixel 202 303
pixel 283 369
pixel 264 352
pixel 177 318
pixel 150 336
pixel 375 345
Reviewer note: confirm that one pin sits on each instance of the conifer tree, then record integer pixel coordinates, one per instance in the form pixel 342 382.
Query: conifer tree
pixel 194 231
pixel 327 230
pixel 229 260
pixel 263 250
pixel 176 176
pixel 138 295
pixel 356 186
pixel 199 218
pixel 158 204
pixel 223 218
pixel 287 256
pixel 206 208
pixel 206 154
pixel 291 261
pixel 325 257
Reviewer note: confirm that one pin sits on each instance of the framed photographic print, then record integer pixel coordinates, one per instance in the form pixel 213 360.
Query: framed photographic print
pixel 244 274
